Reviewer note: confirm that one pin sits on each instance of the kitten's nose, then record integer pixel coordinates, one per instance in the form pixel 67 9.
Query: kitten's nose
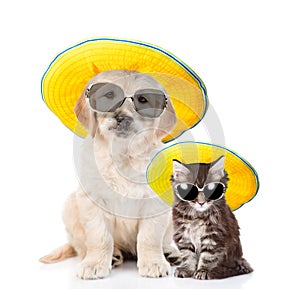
pixel 201 199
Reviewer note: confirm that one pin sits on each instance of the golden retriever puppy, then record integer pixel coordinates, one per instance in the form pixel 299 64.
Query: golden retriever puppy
pixel 114 212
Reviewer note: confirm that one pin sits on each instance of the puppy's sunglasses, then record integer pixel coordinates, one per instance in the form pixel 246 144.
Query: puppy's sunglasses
pixel 189 192
pixel 108 97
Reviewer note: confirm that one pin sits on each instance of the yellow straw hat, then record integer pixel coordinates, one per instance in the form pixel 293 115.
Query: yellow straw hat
pixel 243 181
pixel 68 74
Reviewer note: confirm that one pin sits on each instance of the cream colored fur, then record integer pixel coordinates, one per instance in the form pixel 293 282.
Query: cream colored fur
pixel 114 210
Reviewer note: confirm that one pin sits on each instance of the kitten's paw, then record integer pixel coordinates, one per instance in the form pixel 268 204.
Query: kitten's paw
pixel 201 274
pixel 183 273
pixel 117 258
pixel 154 269
pixel 91 271
pixel 243 267
pixel 173 256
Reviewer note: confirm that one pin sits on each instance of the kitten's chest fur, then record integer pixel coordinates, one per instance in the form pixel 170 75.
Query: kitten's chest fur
pixel 193 232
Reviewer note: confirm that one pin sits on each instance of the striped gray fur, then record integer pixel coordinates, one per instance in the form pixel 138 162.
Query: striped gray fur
pixel 207 235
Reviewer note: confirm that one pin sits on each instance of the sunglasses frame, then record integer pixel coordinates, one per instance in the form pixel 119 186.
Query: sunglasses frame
pixel 125 97
pixel 200 190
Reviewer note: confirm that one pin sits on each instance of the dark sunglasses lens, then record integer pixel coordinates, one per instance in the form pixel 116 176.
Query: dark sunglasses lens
pixel 213 191
pixel 150 103
pixel 105 97
pixel 187 192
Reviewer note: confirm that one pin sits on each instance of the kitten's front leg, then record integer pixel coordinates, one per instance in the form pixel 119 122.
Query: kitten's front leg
pixel 151 261
pixel 189 262
pixel 209 259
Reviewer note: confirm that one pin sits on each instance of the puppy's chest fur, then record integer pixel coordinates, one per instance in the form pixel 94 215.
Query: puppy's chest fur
pixel 125 234
pixel 125 174
pixel 122 178
pixel 115 185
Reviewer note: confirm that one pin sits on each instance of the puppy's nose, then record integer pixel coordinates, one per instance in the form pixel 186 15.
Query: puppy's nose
pixel 125 120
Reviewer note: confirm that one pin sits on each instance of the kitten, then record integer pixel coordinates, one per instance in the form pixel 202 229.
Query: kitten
pixel 205 230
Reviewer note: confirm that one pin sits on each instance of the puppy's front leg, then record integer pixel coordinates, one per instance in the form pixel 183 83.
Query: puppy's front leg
pixel 99 249
pixel 151 261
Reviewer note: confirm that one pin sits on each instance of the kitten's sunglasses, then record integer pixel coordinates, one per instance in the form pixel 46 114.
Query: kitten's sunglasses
pixel 189 192
pixel 107 97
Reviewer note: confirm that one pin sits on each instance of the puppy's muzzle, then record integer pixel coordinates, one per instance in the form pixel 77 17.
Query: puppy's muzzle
pixel 123 122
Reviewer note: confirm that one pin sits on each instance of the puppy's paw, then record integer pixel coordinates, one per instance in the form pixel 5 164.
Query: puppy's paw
pixel 117 258
pixel 92 271
pixel 154 269
pixel 183 273
pixel 173 256
pixel 201 274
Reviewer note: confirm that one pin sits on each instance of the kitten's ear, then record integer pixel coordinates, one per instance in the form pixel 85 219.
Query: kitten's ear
pixel 218 166
pixel 179 170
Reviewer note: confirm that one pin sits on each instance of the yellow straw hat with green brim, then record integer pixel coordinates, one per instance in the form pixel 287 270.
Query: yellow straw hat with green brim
pixel 68 74
pixel 243 181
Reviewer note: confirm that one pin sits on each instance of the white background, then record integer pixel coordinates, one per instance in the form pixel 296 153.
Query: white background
pixel 246 52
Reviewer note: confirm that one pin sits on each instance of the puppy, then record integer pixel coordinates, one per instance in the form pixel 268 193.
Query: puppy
pixel 114 211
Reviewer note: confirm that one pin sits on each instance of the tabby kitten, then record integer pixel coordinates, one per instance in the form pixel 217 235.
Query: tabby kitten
pixel 205 230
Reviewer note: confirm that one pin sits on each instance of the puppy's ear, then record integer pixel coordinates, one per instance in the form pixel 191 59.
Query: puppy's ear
pixel 87 117
pixel 167 121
